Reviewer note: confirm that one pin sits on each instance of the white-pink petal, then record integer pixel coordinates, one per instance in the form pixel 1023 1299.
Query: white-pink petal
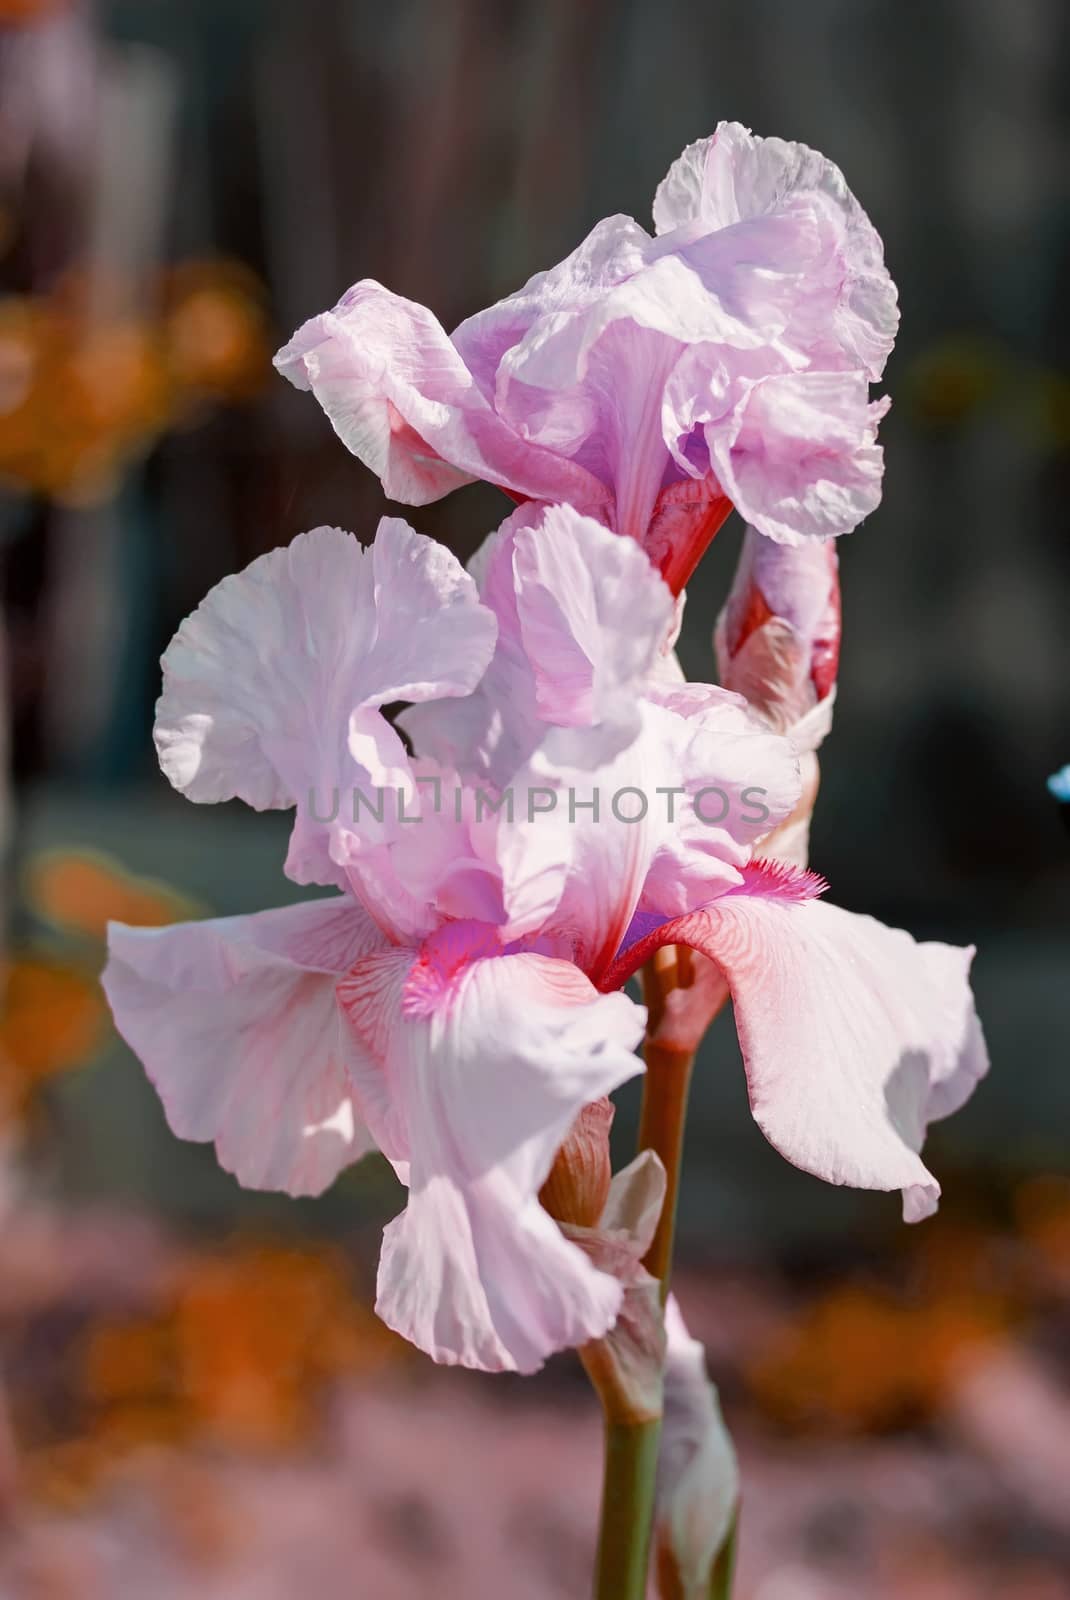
pixel 612 252
pixel 582 621
pixel 798 456
pixel 401 398
pixel 735 176
pixel 592 613
pixel 236 1024
pixel 261 684
pixel 854 1036
pixel 592 384
pixel 664 825
pixel 475 1084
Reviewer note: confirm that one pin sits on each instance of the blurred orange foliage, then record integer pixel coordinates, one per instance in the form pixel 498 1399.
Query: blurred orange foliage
pixel 28 10
pixel 81 891
pixel 864 1359
pixel 258 1334
pixel 1042 1210
pixel 77 402
pixel 52 1018
pixel 215 329
pixel 81 398
pixel 52 1012
pixel 238 1349
pixel 240 1353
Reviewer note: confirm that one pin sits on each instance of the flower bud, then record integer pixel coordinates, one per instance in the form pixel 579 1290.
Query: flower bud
pixel 578 1185
pixel 625 1365
pixel 778 644
pixel 698 1476
pixel 778 636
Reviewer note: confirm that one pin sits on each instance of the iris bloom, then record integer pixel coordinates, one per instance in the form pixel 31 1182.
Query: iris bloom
pixel 651 382
pixel 456 1001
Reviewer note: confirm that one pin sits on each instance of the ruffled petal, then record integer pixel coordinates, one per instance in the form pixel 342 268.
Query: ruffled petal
pixel 236 1024
pixel 854 1037
pixel 401 398
pixel 592 614
pixel 476 1084
pixel 582 618
pixel 492 731
pixel 433 637
pixel 734 177
pixel 591 382
pixel 612 252
pixel 798 456
pixel 261 683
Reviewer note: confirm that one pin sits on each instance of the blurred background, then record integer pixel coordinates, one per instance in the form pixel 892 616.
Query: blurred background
pixel 194 1395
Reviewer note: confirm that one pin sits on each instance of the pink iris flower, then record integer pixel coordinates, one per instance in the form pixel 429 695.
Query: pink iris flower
pixel 651 382
pixel 456 1002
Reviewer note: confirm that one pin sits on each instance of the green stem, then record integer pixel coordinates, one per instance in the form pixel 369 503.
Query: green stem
pixel 628 1481
pixel 631 1442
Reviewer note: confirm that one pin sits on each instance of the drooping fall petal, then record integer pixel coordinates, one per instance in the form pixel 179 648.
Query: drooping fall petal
pixel 236 1024
pixel 854 1037
pixel 474 1086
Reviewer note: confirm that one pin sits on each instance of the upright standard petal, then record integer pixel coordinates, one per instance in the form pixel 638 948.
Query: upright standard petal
pixel 475 1085
pixel 236 1024
pixel 735 176
pixel 582 618
pixel 593 381
pixel 592 613
pixel 854 1037
pixel 637 364
pixel 612 252
pixel 275 681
